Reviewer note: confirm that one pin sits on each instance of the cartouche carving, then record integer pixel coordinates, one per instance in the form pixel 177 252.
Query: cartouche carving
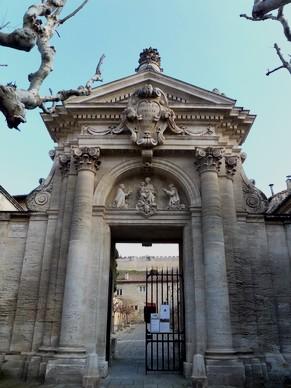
pixel 147 116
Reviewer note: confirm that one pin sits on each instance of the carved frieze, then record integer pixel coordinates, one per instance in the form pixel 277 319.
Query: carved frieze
pixel 147 116
pixel 87 158
pixel 208 158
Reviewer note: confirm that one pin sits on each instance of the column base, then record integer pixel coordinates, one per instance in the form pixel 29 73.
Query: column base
pixel 199 377
pixel 68 365
pixel 223 368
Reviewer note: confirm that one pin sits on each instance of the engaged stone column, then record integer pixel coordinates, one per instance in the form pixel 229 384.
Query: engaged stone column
pixel 219 337
pixel 74 304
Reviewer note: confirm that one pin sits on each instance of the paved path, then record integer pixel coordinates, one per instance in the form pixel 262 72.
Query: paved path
pixel 128 368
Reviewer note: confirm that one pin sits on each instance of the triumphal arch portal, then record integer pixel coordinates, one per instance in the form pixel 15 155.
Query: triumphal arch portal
pixel 147 158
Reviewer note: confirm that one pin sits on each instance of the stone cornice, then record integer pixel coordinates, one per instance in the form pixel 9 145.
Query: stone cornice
pixel 210 108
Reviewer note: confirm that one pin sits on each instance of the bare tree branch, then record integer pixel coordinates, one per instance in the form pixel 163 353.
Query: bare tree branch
pixel 61 21
pixel 273 71
pixel 285 63
pixel 13 101
pixel 265 17
pixel 283 21
pixel 261 12
pixel 4 25
pixel 263 7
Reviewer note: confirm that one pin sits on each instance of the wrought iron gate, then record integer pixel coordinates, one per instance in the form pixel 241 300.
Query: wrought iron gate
pixel 164 316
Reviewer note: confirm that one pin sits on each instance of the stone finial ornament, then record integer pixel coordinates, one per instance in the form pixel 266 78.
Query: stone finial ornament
pixel 147 116
pixel 149 60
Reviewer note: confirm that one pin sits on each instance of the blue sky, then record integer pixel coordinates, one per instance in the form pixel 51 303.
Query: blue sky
pixel 205 43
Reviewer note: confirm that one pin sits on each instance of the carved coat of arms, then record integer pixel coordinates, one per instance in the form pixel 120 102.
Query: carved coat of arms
pixel 147 116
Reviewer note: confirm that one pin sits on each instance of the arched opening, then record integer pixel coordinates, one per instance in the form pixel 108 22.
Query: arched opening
pixel 136 298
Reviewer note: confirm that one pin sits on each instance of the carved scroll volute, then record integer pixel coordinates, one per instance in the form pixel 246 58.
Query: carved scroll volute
pixel 87 158
pixel 231 162
pixel 208 159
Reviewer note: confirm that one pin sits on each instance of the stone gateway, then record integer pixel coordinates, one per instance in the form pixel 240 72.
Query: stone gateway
pixel 147 158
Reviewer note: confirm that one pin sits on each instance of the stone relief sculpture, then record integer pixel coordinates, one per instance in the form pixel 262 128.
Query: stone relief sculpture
pixel 147 116
pixel 146 198
pixel 120 200
pixel 174 198
pixel 146 203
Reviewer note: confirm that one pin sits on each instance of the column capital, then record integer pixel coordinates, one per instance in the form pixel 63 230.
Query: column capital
pixel 208 159
pixel 230 165
pixel 87 158
pixel 64 162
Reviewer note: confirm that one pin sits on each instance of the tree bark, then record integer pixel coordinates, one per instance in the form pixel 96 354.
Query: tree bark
pixel 262 7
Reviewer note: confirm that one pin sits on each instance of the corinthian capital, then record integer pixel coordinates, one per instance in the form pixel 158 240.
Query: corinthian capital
pixel 87 158
pixel 208 159
pixel 230 165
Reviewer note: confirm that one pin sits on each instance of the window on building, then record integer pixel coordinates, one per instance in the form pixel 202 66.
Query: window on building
pixel 119 291
pixel 136 307
pixel 142 288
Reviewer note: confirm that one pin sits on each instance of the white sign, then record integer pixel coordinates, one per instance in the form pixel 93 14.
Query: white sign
pixel 155 323
pixel 165 327
pixel 165 312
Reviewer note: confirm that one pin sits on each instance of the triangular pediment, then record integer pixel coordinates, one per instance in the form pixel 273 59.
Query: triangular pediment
pixel 178 92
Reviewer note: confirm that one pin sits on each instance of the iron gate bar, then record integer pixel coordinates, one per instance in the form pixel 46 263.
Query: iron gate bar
pixel 165 351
